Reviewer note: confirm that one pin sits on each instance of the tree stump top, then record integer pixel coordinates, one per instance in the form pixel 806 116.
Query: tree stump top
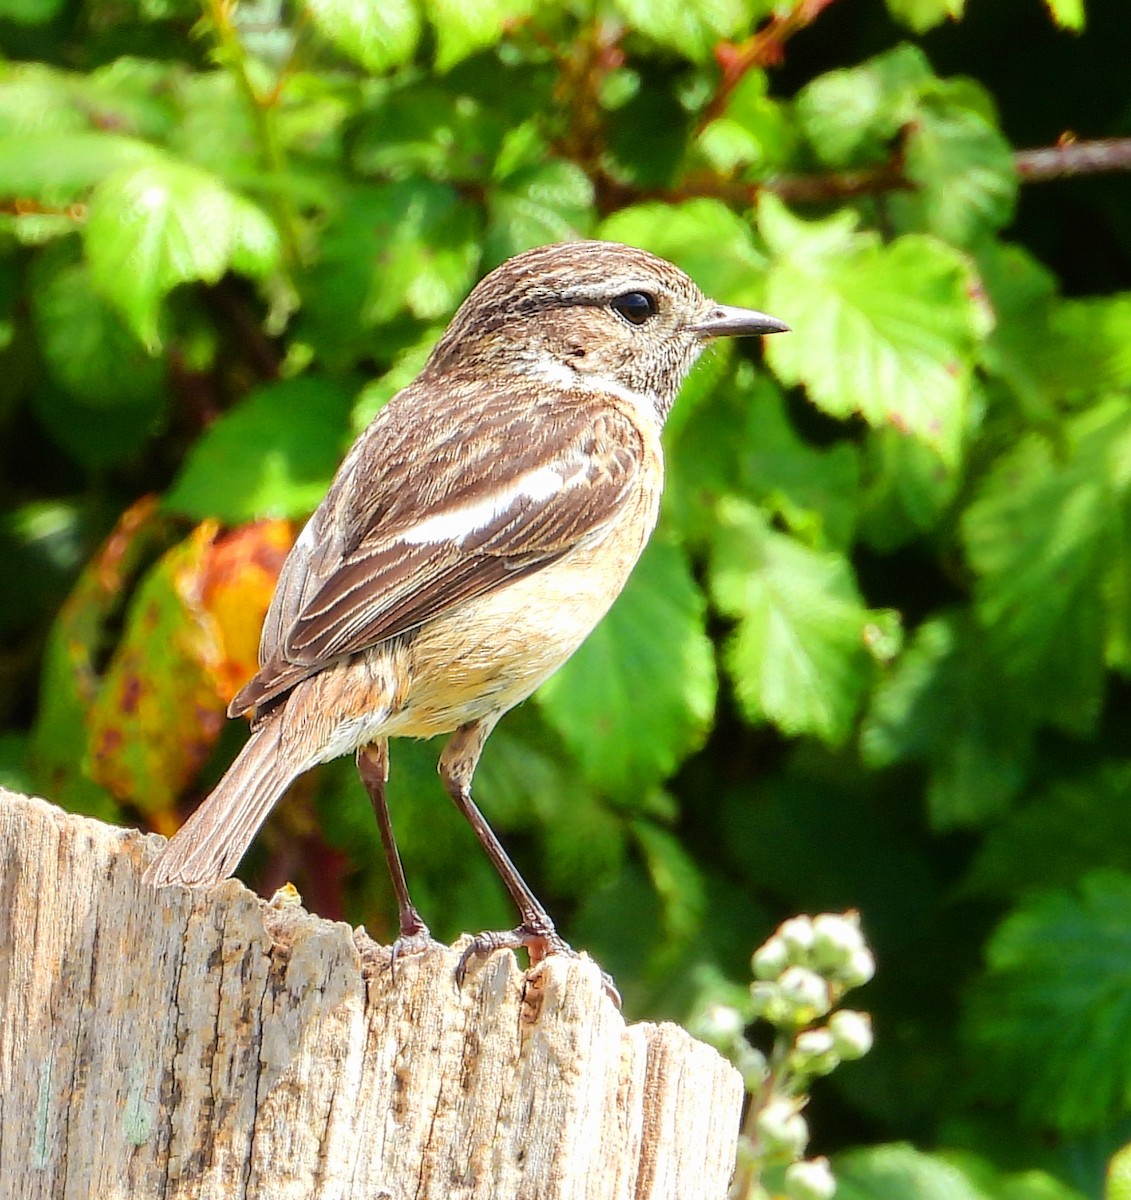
pixel 209 1044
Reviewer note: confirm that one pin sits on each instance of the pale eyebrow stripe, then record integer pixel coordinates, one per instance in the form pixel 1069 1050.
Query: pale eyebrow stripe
pixel 456 524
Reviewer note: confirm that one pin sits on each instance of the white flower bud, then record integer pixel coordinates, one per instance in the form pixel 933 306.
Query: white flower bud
pixel 859 969
pixel 805 993
pixel 770 959
pixel 797 933
pixel 852 1033
pixel 782 1129
pixel 811 1179
pixel 719 1024
pixel 814 1052
pixel 751 1065
pixel 836 938
pixel 814 1041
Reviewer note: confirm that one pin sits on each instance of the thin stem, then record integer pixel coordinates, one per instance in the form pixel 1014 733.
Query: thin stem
pixel 1070 157
pixel 582 72
pixel 748 1171
pixel 1064 161
pixel 263 108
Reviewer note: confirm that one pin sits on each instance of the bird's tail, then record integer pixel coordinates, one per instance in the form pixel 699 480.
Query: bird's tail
pixel 210 844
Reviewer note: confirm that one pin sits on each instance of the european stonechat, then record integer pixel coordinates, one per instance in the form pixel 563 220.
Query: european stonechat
pixel 472 538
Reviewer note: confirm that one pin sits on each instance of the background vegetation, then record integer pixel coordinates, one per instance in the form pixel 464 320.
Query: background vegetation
pixel 878 655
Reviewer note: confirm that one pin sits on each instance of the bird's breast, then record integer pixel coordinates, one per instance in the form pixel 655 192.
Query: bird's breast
pixel 492 652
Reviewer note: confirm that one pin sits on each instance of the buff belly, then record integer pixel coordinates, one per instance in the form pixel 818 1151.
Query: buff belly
pixel 480 659
pixel 490 655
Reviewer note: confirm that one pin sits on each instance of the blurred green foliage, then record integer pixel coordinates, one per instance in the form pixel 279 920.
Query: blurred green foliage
pixel 878 653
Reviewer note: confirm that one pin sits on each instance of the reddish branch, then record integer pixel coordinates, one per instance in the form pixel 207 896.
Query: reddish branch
pixel 20 207
pixel 766 48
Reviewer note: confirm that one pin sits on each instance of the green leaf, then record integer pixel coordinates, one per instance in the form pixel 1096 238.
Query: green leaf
pixel 886 331
pixel 676 880
pixel 711 243
pixel 59 168
pixel 799 655
pixel 14 774
pixel 404 248
pixel 963 171
pixel 1118 1182
pixel 1022 294
pixel 274 454
pixel 943 704
pixel 815 492
pixel 907 489
pixel 160 224
pixel 1047 350
pixel 898 1172
pixel 647 134
pixel 921 15
pixel 378 36
pixel 30 12
pixel 1089 351
pixel 638 696
pixel 1051 1019
pixel 80 636
pixel 466 26
pixel 549 202
pixel 738 438
pixel 690 27
pixel 216 127
pixel 37 102
pixel 87 348
pixel 526 781
pixel 429 264
pixel 159 666
pixel 138 97
pixel 1045 536
pixel 707 443
pixel 1069 14
pixel 851 115
pixel 1073 826
pixel 425 129
pixel 755 131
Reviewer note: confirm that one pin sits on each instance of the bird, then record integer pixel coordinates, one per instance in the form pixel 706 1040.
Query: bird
pixel 472 537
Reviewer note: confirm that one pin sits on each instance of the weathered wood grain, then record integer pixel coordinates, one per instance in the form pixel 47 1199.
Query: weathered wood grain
pixel 207 1044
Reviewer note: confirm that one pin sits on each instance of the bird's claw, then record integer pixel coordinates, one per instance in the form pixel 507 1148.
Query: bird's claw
pixel 407 945
pixel 539 943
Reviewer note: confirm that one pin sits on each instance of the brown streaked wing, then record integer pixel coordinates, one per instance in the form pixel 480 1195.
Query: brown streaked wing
pixel 381 585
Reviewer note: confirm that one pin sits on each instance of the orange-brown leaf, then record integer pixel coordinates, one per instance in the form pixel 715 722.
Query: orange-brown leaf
pixel 240 576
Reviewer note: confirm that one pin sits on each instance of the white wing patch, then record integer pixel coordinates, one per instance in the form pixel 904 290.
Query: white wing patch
pixel 458 524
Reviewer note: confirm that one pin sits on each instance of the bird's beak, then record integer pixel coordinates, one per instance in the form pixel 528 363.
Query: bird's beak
pixel 725 321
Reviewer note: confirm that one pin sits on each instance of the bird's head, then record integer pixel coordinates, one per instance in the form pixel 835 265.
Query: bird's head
pixel 591 314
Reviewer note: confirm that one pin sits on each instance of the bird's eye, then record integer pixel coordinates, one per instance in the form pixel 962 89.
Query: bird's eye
pixel 635 307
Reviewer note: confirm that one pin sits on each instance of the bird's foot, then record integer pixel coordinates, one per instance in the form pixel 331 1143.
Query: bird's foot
pixel 414 938
pixel 540 942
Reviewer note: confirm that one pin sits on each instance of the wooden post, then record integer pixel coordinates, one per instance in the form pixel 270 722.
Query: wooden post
pixel 208 1044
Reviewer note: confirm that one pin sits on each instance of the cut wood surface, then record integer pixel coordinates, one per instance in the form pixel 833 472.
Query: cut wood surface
pixel 209 1044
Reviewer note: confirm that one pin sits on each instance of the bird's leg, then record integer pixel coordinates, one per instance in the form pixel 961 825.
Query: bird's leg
pixel 536 931
pixel 373 767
